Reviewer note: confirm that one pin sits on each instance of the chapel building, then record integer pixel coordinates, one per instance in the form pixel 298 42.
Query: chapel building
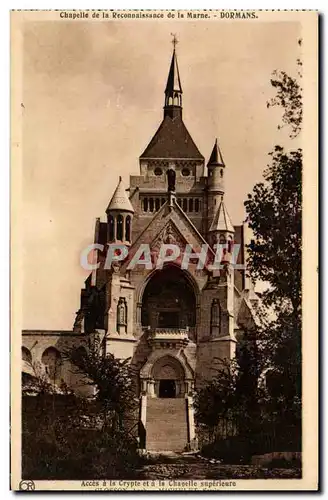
pixel 174 322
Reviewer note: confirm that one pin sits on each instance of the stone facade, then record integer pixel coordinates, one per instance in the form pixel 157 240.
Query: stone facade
pixel 173 323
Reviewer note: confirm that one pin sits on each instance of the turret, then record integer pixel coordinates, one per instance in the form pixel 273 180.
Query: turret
pixel 221 229
pixel 215 182
pixel 119 216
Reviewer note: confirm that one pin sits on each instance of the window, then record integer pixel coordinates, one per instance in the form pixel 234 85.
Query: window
pixel 145 204
pixel 128 228
pixel 196 205
pixel 191 205
pixel 163 201
pixel 151 204
pixel 158 171
pixel 111 228
pixel 157 204
pixel 185 172
pixel 185 204
pixel 215 315
pixel 119 232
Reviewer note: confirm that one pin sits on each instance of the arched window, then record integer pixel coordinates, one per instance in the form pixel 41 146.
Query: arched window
pixel 52 362
pixel 122 314
pixel 26 355
pixel 196 205
pixel 119 228
pixel 191 205
pixel 230 244
pixel 111 228
pixel 221 172
pixel 128 228
pixel 157 204
pixel 215 314
pixel 151 204
pixel 145 204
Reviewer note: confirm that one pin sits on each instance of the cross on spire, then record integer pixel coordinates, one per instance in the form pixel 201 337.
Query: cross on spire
pixel 175 41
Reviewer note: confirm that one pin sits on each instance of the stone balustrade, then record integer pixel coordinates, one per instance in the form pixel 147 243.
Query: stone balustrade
pixel 168 335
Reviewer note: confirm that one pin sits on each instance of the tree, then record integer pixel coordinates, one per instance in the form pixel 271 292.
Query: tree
pixel 233 393
pixel 113 382
pixel 274 213
pixel 275 217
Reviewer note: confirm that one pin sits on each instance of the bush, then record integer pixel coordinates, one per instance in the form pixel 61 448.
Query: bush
pixel 56 446
pixel 283 463
pixel 233 450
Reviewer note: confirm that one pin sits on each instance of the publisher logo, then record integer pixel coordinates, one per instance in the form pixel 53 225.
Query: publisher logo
pixel 27 485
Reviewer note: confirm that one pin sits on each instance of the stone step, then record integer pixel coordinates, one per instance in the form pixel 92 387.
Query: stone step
pixel 166 424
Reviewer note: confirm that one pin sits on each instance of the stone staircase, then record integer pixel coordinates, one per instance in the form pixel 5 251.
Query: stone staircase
pixel 166 424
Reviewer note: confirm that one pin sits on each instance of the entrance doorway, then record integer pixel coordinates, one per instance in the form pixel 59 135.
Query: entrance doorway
pixel 167 389
pixel 169 300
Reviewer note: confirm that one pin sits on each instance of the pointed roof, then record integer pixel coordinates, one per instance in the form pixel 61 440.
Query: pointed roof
pixel 222 221
pixel 120 199
pixel 173 81
pixel 216 155
pixel 172 140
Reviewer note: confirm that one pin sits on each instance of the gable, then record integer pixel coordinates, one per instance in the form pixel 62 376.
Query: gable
pixel 170 225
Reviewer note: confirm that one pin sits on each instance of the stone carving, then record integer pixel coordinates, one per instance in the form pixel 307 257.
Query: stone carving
pixel 121 312
pixel 169 235
pixel 171 179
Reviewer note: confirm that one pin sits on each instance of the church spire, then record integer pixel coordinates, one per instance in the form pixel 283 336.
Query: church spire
pixel 173 90
pixel 216 155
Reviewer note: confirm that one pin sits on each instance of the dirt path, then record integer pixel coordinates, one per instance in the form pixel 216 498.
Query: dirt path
pixel 180 466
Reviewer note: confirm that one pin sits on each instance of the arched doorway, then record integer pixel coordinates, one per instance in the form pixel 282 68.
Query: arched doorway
pixel 169 300
pixel 169 378
pixel 52 362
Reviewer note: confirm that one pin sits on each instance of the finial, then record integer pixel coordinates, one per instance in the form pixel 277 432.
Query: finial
pixel 175 40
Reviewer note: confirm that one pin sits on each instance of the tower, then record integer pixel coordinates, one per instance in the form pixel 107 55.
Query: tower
pixel 119 216
pixel 119 300
pixel 215 183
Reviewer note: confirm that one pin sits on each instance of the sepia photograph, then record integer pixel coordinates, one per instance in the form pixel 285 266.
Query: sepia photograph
pixel 164 178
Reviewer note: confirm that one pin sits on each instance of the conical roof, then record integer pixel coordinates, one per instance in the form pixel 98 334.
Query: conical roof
pixel 173 81
pixel 172 140
pixel 120 199
pixel 222 221
pixel 216 155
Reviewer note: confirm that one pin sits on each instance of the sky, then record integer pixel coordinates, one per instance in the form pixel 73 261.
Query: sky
pixel 93 95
